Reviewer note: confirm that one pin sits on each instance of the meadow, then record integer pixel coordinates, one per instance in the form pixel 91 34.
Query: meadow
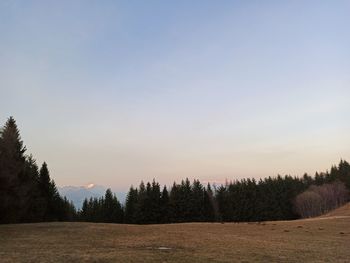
pixel 323 239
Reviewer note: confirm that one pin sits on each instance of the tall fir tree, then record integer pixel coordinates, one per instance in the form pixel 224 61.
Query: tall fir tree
pixel 164 204
pixel 131 206
pixel 13 193
pixel 209 205
pixel 51 200
pixel 34 211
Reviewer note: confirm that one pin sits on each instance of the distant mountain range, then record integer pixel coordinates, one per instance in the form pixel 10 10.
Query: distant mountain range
pixel 77 194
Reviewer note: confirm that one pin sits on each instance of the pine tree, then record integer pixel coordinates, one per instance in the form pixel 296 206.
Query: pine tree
pixel 175 211
pixel 164 204
pixel 141 208
pixel 344 173
pixel 196 202
pixel 185 196
pixel 111 208
pixel 131 206
pixel 83 213
pixel 155 203
pixel 50 197
pixel 118 212
pixel 23 193
pixel 34 211
pixel 221 197
pixel 108 207
pixel 208 205
pixel 12 162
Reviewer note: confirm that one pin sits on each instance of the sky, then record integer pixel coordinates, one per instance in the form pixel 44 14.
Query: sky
pixel 115 92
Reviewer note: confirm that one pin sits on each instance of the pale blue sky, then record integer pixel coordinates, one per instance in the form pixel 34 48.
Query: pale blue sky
pixel 114 92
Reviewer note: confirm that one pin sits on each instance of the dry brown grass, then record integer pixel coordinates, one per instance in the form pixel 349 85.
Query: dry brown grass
pixel 341 211
pixel 324 240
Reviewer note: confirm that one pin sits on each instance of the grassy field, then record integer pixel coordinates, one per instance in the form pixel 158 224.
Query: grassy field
pixel 325 239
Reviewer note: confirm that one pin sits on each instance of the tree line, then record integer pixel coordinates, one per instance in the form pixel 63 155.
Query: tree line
pixel 28 194
pixel 272 198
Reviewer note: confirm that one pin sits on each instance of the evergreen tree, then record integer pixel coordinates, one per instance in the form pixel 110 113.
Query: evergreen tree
pixel 196 202
pixel 185 212
pixel 53 205
pixel 209 214
pixel 175 204
pixel 13 194
pixel 142 203
pixel 343 173
pixel 156 203
pixel 106 209
pixel 112 210
pixel 164 204
pixel 34 210
pixel 84 212
pixel 131 206
pixel 46 192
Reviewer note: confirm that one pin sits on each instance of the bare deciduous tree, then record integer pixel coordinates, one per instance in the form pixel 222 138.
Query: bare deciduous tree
pixel 318 200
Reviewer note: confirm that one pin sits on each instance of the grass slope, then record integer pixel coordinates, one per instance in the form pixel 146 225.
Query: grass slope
pixel 317 240
pixel 341 211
